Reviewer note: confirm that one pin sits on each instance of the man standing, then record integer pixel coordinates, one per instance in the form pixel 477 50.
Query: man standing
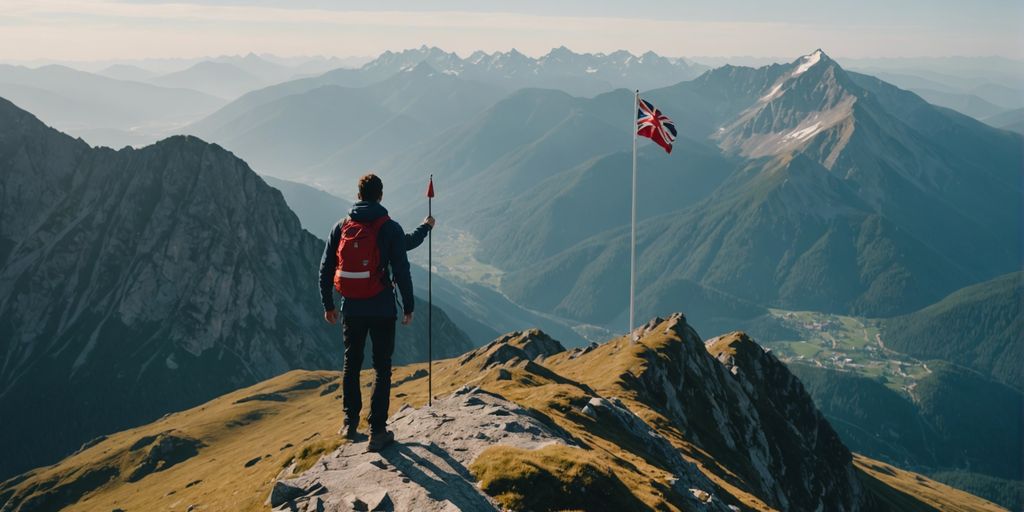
pixel 364 252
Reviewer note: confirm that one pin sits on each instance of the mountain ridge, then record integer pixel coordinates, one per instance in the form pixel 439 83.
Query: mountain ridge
pixel 645 402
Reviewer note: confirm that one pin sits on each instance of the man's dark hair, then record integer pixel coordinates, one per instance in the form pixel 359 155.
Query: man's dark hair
pixel 370 188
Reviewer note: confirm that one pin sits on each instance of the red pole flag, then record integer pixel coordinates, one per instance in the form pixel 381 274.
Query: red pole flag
pixel 430 296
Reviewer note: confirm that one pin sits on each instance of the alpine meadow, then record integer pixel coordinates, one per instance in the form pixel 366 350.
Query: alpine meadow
pixel 536 257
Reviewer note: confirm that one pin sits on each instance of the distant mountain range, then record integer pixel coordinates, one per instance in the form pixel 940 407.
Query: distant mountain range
pixel 979 86
pixel 219 79
pixel 229 77
pixel 138 102
pixel 887 193
pixel 579 74
pixel 854 195
pixel 1012 120
pixel 330 128
pixel 331 134
pixel 763 148
pixel 138 282
pixel 105 111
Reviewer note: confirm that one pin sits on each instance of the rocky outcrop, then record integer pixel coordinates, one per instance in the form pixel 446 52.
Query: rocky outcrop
pixel 512 348
pixel 426 469
pixel 732 397
pixel 161 452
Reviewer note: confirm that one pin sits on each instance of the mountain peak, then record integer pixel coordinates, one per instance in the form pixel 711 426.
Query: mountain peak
pixel 560 52
pixel 649 56
pixel 809 61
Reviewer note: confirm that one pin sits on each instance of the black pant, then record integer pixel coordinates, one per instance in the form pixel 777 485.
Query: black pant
pixel 382 334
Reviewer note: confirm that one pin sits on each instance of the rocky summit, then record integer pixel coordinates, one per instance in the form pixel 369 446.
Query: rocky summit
pixel 669 422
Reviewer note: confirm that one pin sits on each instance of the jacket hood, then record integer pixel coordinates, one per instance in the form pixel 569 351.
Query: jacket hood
pixel 367 211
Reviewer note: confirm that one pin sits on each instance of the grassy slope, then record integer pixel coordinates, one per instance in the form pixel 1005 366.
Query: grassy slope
pixel 905 490
pixel 235 434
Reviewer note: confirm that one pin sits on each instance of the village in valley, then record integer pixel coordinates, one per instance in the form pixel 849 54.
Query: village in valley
pixel 845 343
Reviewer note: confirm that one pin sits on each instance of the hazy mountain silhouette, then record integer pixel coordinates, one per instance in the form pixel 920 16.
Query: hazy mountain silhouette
pixel 332 134
pixel 215 78
pixel 102 110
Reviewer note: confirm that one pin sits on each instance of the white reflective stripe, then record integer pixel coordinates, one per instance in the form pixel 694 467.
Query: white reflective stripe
pixel 356 275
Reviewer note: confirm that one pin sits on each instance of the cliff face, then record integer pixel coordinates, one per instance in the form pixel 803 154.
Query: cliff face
pixel 800 458
pixel 731 398
pixel 139 282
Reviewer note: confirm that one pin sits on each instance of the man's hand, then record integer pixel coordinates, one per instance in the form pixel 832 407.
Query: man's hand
pixel 407 319
pixel 331 316
pixel 429 221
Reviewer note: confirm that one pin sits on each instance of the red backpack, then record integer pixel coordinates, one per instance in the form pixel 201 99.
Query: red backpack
pixel 359 274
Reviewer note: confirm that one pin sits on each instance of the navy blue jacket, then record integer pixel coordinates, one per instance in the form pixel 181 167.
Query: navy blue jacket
pixel 393 243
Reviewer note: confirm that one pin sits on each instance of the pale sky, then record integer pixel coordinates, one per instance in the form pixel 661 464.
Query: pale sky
pixel 132 29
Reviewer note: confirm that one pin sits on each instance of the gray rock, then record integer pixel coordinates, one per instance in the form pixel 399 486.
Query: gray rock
pixel 378 500
pixel 589 411
pixel 420 472
pixel 283 492
pixel 358 504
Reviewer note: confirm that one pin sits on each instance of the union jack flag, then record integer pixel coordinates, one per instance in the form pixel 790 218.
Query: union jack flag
pixel 651 123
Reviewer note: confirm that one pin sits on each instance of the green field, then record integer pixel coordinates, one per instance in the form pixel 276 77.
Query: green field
pixel 454 252
pixel 845 343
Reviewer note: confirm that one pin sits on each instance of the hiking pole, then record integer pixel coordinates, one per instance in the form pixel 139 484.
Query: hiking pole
pixel 430 296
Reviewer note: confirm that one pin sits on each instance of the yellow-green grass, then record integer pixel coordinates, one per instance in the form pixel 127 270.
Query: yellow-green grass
pixel 552 478
pixel 903 490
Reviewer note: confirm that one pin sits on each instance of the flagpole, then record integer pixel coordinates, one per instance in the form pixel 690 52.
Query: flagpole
pixel 632 237
pixel 430 298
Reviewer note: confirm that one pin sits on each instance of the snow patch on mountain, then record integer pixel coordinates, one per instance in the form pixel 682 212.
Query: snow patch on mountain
pixel 774 92
pixel 807 62
pixel 804 133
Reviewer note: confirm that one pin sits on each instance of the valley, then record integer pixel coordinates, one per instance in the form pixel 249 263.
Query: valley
pixel 455 257
pixel 846 343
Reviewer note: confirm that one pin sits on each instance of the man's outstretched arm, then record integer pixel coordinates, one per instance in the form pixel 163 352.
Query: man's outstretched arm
pixel 415 239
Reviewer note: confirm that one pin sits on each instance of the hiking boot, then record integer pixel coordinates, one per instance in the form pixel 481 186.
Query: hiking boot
pixel 349 430
pixel 380 440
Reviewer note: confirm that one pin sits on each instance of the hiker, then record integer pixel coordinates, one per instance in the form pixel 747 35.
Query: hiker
pixel 364 252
